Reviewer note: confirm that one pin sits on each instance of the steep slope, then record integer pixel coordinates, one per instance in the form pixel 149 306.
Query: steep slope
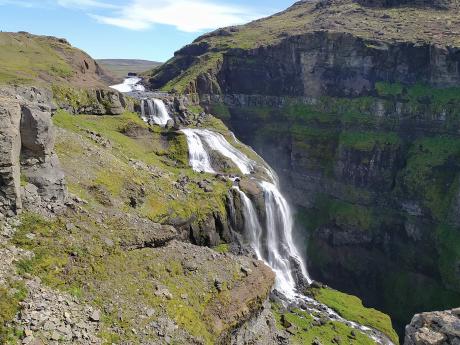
pixel 356 105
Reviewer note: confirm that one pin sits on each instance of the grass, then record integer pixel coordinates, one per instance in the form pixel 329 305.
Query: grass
pixel 10 297
pixel 24 59
pixel 119 281
pixel 351 308
pixel 306 330
pixel 166 152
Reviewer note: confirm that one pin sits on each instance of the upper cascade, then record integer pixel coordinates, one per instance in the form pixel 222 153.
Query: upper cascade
pixel 154 111
pixel 129 85
pixel 273 241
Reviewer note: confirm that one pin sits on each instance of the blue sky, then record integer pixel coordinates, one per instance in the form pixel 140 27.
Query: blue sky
pixel 145 29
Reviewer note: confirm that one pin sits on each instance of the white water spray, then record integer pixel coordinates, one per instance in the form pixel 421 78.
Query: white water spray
pixel 154 111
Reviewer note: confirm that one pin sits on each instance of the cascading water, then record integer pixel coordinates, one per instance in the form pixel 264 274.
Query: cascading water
pixel 217 142
pixel 279 250
pixel 251 223
pixel 154 111
pixel 198 156
pixel 129 85
pixel 272 243
pixel 279 239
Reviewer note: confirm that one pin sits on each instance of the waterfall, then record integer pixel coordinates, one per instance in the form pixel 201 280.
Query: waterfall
pixel 198 156
pixel 154 111
pixel 129 85
pixel 251 223
pixel 217 142
pixel 278 249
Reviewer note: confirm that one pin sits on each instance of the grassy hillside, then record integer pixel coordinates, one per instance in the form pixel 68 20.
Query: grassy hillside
pixel 400 24
pixel 40 60
pixel 121 67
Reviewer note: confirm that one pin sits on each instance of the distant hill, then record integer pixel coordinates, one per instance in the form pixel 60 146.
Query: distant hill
pixel 121 67
pixel 41 60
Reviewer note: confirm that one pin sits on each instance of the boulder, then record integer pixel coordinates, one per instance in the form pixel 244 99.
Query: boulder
pixel 434 328
pixel 37 132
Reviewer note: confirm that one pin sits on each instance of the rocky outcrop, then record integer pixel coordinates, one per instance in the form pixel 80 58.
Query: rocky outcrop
pixel 91 101
pixel 10 148
pixel 436 328
pixel 28 160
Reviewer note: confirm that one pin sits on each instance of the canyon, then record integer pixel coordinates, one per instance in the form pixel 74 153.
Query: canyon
pixel 245 191
pixel 360 121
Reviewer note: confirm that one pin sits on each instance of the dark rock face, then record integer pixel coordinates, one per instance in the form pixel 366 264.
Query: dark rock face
pixel 443 4
pixel 434 328
pixel 334 64
pixel 10 147
pixel 28 151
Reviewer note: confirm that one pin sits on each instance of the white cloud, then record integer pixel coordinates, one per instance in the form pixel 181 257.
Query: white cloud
pixel 85 4
pixel 19 3
pixel 185 15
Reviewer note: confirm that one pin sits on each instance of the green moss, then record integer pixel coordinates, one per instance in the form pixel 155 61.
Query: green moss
pixel 10 297
pixel 351 308
pixel 430 173
pixel 222 248
pixel 448 245
pixel 305 113
pixel 48 261
pixel 178 149
pixel 407 293
pixel 388 89
pixel 221 111
pixel 304 330
pixel 367 141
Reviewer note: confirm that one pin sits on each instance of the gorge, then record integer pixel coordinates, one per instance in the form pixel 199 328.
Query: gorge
pixel 293 180
pixel 355 107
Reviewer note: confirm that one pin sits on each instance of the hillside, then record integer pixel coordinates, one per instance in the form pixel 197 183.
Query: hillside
pixel 356 104
pixel 375 25
pixel 121 67
pixel 41 60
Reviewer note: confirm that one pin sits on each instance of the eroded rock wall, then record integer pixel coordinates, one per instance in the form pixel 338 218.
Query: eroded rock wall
pixel 31 175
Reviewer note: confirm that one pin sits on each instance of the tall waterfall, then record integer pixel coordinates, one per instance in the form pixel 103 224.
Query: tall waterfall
pixel 272 242
pixel 154 111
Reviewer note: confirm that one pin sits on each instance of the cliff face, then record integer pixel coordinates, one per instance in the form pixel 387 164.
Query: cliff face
pixel 357 108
